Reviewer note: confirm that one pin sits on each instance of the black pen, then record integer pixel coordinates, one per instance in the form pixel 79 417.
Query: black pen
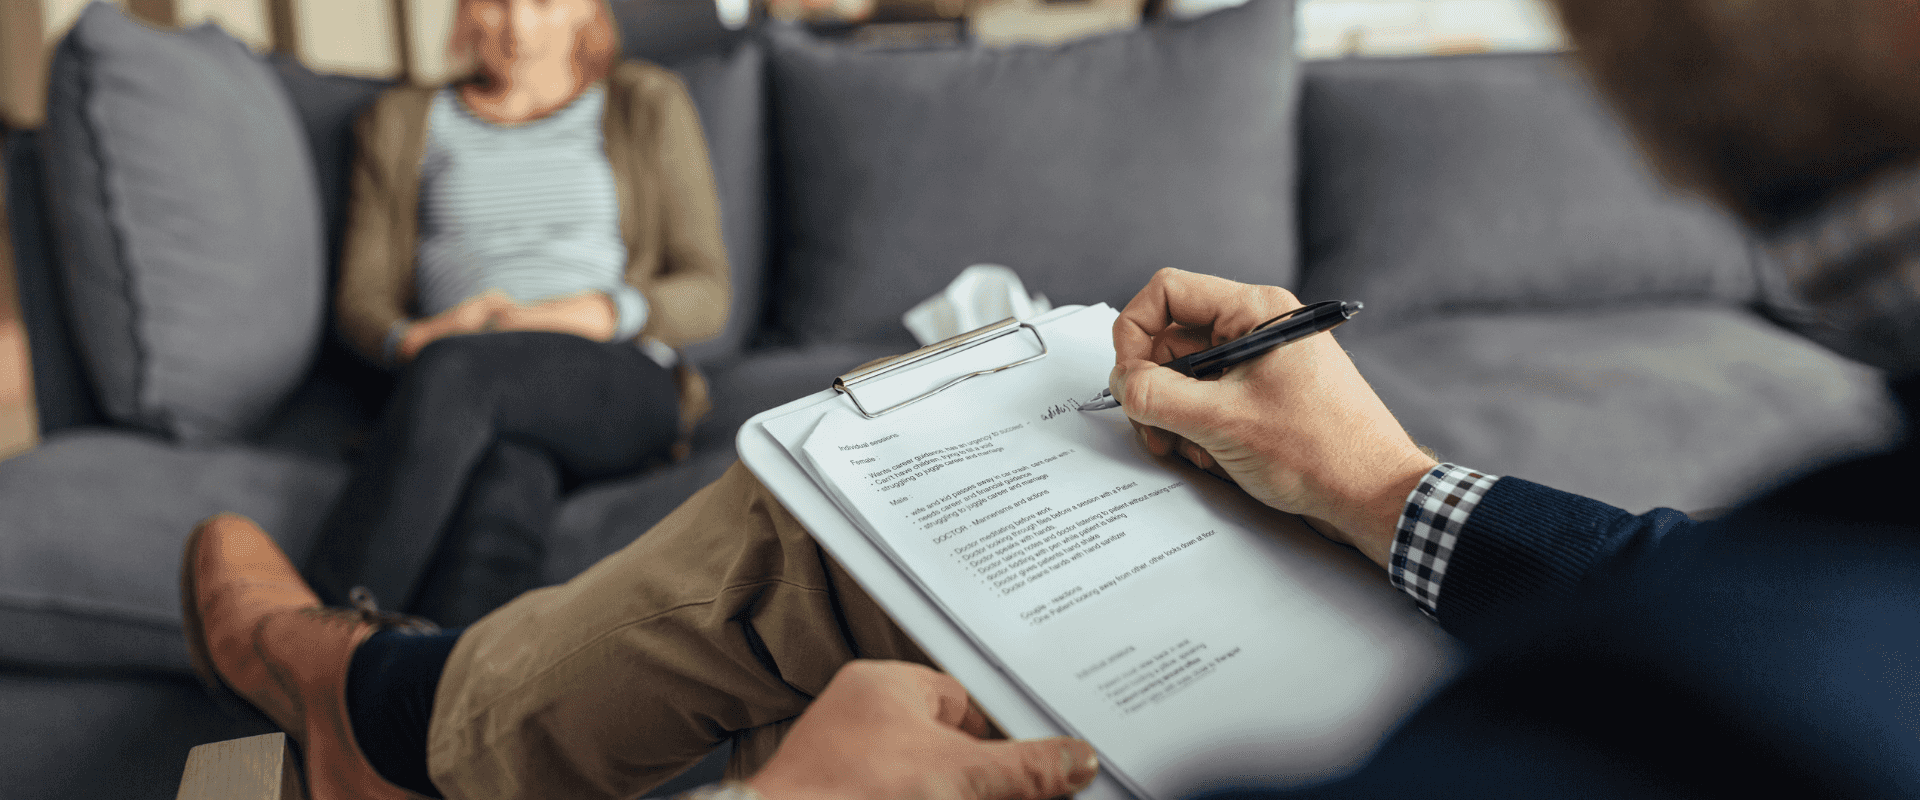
pixel 1289 327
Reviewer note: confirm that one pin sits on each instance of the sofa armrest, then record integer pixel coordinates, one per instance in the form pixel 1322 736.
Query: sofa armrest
pixel 254 768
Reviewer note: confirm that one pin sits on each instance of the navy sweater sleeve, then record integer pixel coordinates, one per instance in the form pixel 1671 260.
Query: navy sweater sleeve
pixel 1527 549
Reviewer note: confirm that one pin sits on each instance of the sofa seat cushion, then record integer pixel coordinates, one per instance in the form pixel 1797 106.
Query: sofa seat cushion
pixel 93 524
pixel 1084 167
pixel 106 737
pixel 184 199
pixel 1683 407
pixel 1492 182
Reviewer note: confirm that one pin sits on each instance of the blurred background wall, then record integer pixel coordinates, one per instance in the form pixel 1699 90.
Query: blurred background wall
pixel 392 38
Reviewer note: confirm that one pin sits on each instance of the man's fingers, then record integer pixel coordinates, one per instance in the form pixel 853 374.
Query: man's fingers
pixel 1159 397
pixel 1224 307
pixel 939 693
pixel 1034 769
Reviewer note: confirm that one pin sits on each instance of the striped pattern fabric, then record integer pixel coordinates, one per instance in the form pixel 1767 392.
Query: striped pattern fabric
pixel 529 209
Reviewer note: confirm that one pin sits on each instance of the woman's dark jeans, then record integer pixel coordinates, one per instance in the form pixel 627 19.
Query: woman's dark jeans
pixel 447 516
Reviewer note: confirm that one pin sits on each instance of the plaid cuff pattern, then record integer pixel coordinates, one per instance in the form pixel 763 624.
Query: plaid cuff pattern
pixel 1430 526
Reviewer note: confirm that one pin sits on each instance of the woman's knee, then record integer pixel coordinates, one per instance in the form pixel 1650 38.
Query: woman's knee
pixel 454 360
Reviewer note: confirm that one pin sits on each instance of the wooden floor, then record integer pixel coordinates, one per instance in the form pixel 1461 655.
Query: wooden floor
pixel 17 423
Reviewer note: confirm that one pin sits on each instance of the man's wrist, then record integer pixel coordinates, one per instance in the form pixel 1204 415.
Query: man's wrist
pixel 1374 521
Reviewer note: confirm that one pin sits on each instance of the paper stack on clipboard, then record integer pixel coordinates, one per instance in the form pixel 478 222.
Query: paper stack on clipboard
pixel 1076 584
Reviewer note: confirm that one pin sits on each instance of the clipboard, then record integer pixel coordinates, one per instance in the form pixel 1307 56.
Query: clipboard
pixel 769 460
pixel 1402 656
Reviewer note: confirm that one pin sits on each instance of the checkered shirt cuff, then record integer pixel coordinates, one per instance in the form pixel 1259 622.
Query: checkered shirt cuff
pixel 1430 526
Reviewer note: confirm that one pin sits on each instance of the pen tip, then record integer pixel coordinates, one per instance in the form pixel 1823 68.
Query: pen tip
pixel 1352 307
pixel 1103 400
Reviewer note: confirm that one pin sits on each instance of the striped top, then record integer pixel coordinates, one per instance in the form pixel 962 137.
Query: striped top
pixel 529 209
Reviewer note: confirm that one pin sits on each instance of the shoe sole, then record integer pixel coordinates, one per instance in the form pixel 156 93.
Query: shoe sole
pixel 198 653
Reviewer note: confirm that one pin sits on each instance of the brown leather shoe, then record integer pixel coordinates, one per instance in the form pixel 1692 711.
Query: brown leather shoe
pixel 254 629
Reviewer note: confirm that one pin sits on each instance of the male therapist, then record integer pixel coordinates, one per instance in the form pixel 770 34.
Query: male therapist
pixel 1774 650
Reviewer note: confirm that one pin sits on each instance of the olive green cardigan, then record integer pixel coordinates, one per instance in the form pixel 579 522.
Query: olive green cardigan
pixel 669 215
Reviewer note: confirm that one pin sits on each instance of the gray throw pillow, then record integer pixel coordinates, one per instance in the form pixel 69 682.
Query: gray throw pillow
pixel 1492 182
pixel 188 223
pixel 1085 167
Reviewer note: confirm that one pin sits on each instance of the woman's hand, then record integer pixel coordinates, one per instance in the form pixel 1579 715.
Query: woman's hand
pixel 588 314
pixel 476 314
pixel 1297 428
pixel 888 730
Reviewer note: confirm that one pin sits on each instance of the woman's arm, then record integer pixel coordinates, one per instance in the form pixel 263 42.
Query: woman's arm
pixel 375 284
pixel 687 299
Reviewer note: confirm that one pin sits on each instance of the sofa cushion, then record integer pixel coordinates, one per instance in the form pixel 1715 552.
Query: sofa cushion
pixel 1689 408
pixel 1492 182
pixel 142 726
pixel 95 521
pixel 1084 167
pixel 184 199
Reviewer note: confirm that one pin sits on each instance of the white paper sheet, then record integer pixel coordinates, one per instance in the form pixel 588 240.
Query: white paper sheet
pixel 1195 636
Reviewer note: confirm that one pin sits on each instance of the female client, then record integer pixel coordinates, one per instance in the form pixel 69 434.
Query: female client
pixel 527 246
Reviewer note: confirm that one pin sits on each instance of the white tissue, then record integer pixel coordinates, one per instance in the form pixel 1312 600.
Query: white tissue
pixel 980 295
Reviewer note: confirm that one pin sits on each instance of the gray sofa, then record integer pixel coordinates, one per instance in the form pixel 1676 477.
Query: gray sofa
pixel 1537 305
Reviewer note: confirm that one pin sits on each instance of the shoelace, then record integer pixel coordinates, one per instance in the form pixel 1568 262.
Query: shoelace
pixel 367 609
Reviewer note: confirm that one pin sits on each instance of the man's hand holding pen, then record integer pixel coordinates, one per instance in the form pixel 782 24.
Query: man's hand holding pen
pixel 1297 428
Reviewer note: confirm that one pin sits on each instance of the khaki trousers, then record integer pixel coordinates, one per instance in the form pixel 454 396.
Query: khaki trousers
pixel 722 622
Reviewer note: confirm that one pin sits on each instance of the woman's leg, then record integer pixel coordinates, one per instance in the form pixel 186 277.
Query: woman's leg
pixel 494 547
pixel 598 409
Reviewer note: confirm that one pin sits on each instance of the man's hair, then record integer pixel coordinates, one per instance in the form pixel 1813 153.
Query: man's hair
pixel 1768 106
pixel 595 50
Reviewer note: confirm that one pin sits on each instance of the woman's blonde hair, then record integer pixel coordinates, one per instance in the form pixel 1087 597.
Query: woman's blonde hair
pixel 595 50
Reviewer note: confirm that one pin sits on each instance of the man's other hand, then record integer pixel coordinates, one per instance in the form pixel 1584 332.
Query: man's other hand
pixel 889 730
pixel 1297 428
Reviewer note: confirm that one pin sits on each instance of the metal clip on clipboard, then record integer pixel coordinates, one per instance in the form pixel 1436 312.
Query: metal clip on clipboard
pixel 876 370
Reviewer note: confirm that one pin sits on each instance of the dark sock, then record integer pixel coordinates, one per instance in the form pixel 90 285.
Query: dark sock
pixel 390 686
